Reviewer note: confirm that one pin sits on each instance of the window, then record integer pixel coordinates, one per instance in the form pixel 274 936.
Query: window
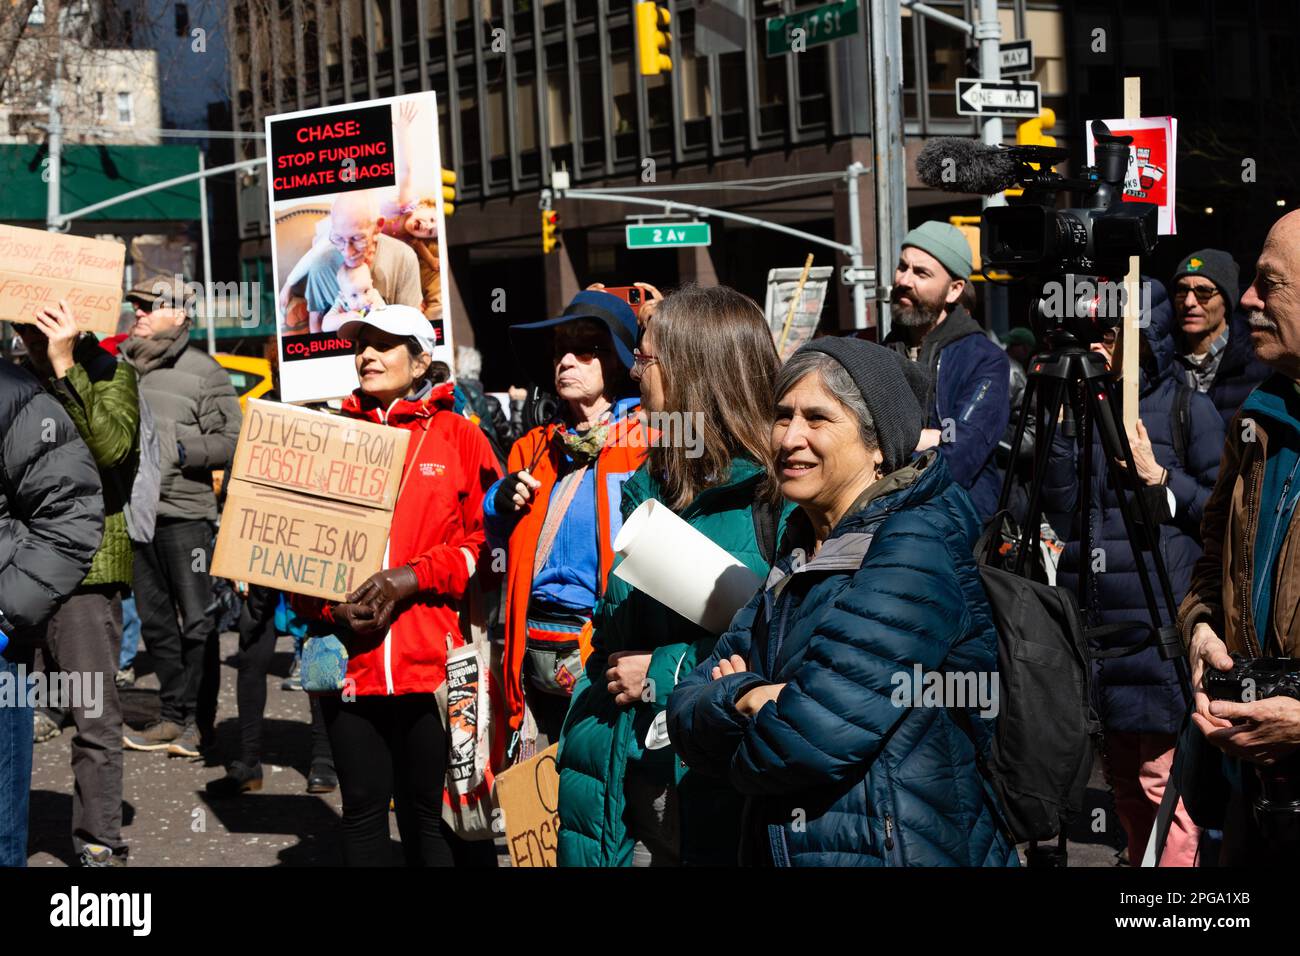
pixel 125 114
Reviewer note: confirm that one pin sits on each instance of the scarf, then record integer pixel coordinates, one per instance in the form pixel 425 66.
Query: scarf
pixel 161 348
pixel 584 448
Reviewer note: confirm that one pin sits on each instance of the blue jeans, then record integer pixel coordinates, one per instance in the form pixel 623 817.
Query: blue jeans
pixel 130 633
pixel 15 766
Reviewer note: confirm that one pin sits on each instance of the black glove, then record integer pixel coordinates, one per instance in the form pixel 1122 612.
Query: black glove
pixel 504 500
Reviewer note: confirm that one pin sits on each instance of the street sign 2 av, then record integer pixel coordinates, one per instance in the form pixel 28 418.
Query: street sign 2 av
pixel 976 97
pixel 668 235
pixel 831 21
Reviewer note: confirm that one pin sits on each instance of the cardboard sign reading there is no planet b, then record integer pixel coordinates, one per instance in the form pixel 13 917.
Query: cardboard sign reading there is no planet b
pixel 310 500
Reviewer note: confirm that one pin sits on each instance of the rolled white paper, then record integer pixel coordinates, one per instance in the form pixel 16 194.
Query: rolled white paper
pixel 678 566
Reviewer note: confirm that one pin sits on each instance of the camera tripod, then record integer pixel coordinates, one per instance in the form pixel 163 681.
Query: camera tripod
pixel 1072 374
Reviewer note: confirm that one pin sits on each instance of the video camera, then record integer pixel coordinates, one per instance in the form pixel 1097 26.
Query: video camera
pixel 1080 254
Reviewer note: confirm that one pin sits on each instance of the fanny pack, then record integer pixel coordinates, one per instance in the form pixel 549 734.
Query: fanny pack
pixel 553 651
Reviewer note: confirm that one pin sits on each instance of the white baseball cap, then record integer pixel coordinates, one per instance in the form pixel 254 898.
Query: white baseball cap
pixel 400 320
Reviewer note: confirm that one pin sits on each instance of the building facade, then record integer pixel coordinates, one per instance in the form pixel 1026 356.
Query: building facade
pixel 527 86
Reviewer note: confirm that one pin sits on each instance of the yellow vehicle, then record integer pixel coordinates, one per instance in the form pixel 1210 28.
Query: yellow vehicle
pixel 250 375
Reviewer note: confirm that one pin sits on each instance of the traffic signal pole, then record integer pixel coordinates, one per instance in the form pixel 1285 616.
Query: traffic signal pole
pixel 885 28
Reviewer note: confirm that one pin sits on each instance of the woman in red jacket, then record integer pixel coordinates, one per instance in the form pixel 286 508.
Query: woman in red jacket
pixel 387 734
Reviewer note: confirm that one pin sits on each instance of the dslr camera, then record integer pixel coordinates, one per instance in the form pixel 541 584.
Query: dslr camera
pixel 1277 808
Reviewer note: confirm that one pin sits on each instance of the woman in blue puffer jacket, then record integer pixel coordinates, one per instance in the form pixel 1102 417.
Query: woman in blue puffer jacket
pixel 805 704
pixel 1138 697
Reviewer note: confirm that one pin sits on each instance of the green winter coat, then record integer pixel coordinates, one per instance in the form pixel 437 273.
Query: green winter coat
pixel 602 740
pixel 99 394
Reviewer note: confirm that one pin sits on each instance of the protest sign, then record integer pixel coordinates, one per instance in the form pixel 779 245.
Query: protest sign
pixel 528 795
pixel 1151 163
pixel 356 204
pixel 39 268
pixel 302 450
pixel 310 500
pixel 781 287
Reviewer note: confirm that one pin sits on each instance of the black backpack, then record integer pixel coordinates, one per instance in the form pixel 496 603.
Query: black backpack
pixel 1041 753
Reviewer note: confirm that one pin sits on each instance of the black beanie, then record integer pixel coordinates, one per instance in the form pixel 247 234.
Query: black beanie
pixel 892 388
pixel 1217 266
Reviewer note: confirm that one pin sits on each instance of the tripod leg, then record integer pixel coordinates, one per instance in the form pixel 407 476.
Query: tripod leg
pixel 1049 410
pixel 1022 420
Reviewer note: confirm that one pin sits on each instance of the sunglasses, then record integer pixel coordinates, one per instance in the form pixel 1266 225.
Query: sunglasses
pixel 1203 295
pixel 584 352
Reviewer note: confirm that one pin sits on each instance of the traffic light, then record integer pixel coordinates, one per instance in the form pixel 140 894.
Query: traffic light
pixel 1030 133
pixel 550 223
pixel 653 39
pixel 448 192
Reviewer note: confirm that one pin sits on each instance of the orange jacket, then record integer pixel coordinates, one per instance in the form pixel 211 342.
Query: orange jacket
pixel 624 451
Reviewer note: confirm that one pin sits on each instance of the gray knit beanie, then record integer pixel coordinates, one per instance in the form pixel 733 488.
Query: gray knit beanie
pixel 892 388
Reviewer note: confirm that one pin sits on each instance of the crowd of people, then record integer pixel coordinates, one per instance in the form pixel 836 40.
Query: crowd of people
pixel 853 481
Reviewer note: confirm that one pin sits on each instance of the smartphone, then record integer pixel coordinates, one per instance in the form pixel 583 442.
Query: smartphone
pixel 628 293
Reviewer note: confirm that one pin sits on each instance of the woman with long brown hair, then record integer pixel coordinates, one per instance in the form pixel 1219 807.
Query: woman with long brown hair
pixel 706 367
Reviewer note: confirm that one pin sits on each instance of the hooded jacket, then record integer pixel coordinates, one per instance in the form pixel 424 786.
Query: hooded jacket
pixel 195 406
pixel 1139 693
pixel 837 771
pixel 602 741
pixel 51 506
pixel 969 401
pixel 438 513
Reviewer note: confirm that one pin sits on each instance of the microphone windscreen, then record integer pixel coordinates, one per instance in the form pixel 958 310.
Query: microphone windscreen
pixel 966 166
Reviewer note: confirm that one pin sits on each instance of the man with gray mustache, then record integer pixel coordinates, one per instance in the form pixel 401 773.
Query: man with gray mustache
pixel 1246 588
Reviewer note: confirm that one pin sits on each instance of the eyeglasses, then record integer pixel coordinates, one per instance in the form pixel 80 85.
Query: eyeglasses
pixel 1203 294
pixel 584 352
pixel 642 360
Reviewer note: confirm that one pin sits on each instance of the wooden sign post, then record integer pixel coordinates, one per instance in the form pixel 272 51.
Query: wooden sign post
pixel 1132 288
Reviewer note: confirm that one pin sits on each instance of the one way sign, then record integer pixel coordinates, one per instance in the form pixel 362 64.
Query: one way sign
pixel 977 97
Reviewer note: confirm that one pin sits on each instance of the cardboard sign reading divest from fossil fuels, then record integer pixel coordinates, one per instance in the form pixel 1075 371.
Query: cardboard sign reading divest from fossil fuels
pixel 310 500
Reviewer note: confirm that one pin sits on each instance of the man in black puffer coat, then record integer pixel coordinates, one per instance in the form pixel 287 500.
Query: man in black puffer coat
pixel 1176 450
pixel 51 523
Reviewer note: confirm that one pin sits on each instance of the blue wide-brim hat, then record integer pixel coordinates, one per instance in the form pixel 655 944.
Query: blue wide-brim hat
pixel 611 311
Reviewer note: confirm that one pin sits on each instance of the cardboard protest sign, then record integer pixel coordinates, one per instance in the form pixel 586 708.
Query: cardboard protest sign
pixel 296 543
pixel 298 449
pixel 39 268
pixel 1152 162
pixel 310 500
pixel 356 204
pixel 529 797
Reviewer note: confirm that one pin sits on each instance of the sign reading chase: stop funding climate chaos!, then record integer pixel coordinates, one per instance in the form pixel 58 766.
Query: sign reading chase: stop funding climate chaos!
pixel 332 154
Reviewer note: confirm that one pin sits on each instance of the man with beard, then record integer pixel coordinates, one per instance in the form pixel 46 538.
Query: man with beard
pixel 968 404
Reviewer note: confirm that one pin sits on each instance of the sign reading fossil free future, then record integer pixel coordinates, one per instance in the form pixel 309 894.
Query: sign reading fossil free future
pixel 310 500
